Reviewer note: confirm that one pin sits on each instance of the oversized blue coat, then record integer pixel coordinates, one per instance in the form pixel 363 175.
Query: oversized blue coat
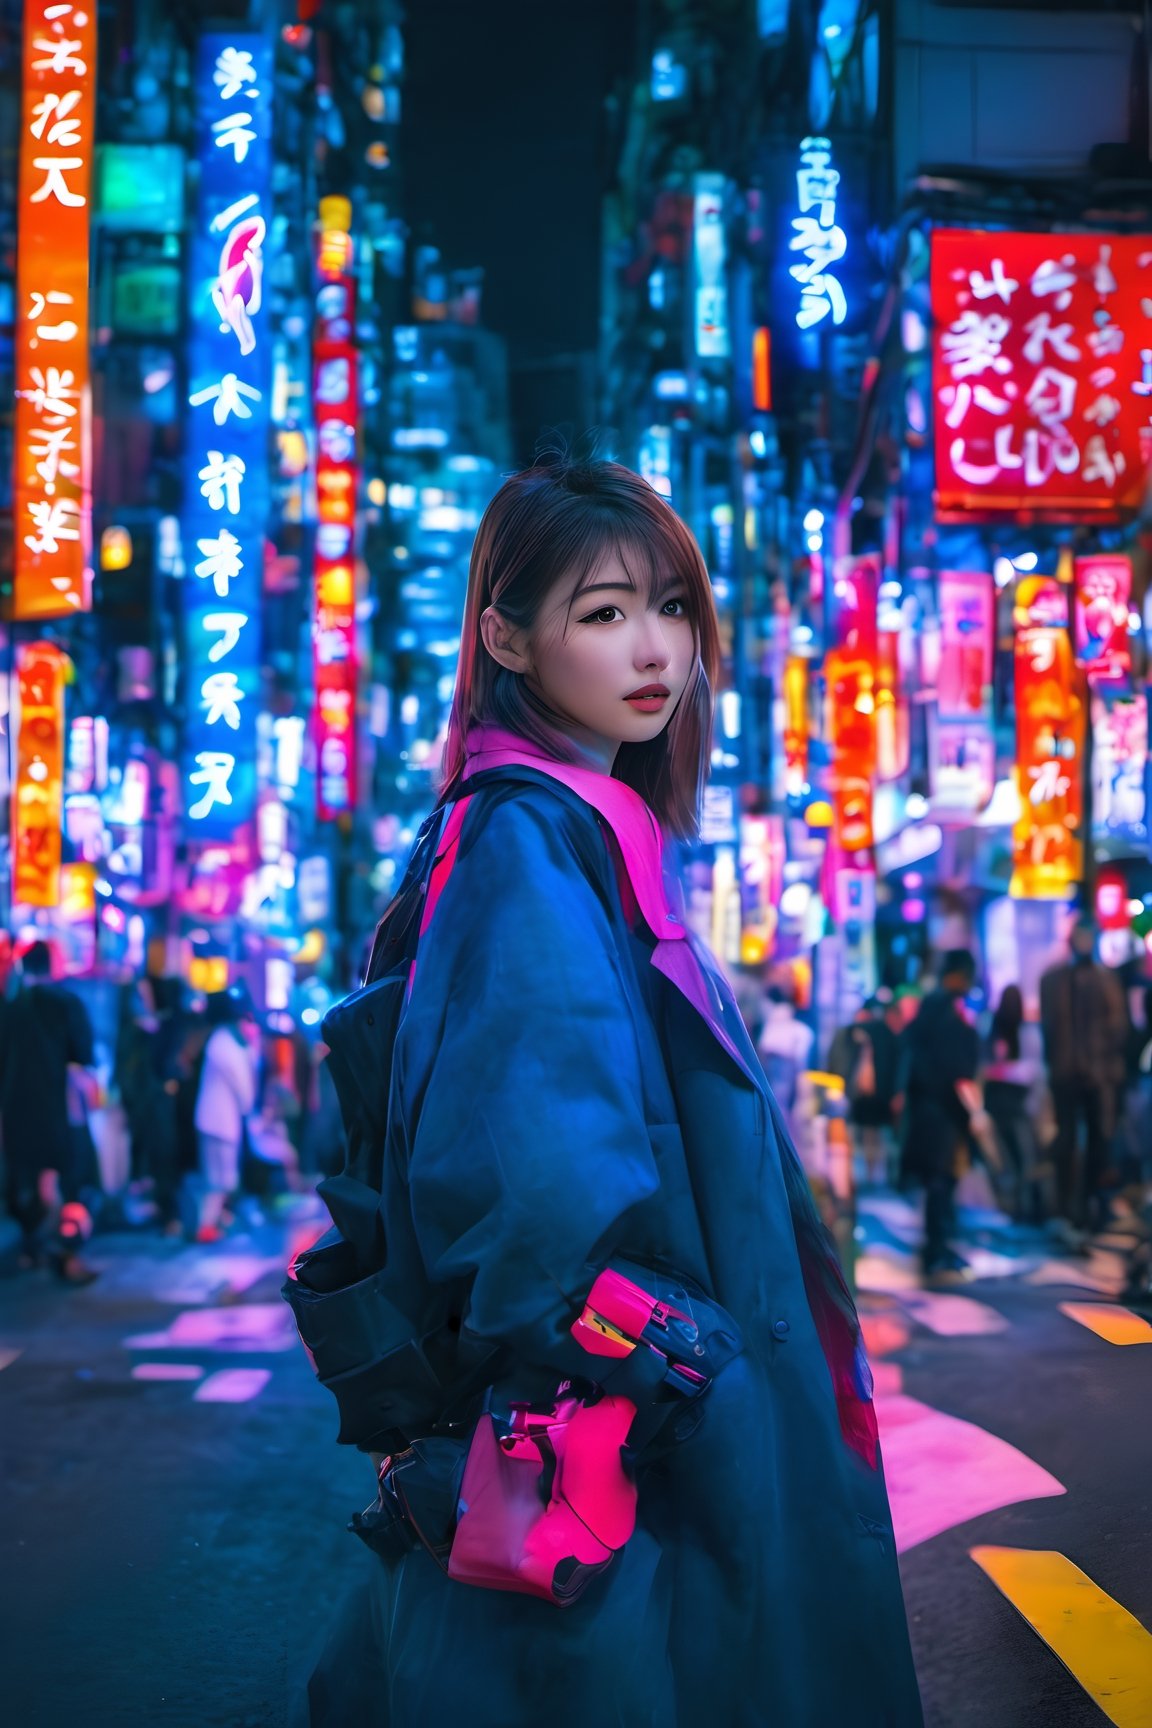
pixel 557 1099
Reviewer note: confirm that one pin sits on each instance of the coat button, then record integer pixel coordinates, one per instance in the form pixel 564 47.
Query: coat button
pixel 781 1328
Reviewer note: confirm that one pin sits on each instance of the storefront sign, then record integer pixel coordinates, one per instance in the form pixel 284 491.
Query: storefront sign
pixel 709 247
pixel 1050 718
pixel 38 794
pixel 965 753
pixel 1042 372
pixel 850 674
pixel 336 407
pixel 52 499
pixel 1103 603
pixel 967 636
pixel 891 709
pixel 911 845
pixel 226 491
pixel 1120 766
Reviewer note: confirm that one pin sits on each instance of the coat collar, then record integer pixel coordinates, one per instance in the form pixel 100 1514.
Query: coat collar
pixel 642 847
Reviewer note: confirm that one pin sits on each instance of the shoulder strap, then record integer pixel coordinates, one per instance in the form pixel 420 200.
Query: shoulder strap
pixel 441 870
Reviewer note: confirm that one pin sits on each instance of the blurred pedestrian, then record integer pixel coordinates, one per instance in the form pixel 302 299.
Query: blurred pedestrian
pixel 785 1046
pixel 1134 1135
pixel 1008 1080
pixel 45 1033
pixel 1084 1022
pixel 940 1064
pixel 864 1055
pixel 748 988
pixel 225 1099
pixel 133 1071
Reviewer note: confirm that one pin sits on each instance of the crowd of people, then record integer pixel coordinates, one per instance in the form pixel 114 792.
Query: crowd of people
pixel 1057 1107
pixel 214 1126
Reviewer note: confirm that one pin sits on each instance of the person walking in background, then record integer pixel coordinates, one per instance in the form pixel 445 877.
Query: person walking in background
pixel 133 1072
pixel 940 1064
pixel 1008 1080
pixel 1084 1023
pixel 226 1097
pixel 865 1054
pixel 785 1046
pixel 45 1031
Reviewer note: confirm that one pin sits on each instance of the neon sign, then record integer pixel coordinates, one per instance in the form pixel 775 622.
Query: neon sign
pixel 1050 719
pixel 1040 381
pixel 818 236
pixel 336 405
pixel 1103 584
pixel 709 250
pixel 52 504
pixel 850 674
pixel 229 409
pixel 38 796
pixel 965 755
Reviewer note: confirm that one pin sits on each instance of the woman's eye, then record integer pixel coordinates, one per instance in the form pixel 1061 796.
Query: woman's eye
pixel 603 616
pixel 679 604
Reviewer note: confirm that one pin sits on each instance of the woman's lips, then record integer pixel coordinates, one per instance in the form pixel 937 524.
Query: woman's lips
pixel 647 704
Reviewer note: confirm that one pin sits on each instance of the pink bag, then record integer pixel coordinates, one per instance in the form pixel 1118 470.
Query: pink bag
pixel 546 1506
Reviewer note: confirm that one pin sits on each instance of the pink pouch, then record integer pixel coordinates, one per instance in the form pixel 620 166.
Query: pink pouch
pixel 544 1509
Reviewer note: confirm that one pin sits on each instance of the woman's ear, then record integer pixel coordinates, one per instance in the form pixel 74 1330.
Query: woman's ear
pixel 505 643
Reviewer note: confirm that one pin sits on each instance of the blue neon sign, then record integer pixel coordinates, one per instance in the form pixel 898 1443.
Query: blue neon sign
pixel 226 482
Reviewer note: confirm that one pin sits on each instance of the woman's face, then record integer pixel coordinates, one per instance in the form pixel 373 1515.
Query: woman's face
pixel 588 658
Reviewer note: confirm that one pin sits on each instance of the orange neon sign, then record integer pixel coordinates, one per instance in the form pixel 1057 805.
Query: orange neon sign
pixel 38 793
pixel 1048 846
pixel 797 725
pixel 52 494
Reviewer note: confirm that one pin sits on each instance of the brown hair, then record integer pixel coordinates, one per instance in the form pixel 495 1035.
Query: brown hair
pixel 564 518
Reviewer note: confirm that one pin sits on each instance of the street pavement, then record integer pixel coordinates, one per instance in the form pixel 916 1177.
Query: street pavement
pixel 174 1502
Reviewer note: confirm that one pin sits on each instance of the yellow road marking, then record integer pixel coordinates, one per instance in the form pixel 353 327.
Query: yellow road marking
pixel 1103 1647
pixel 1114 1324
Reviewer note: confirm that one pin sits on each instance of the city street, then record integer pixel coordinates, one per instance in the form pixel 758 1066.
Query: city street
pixel 174 1515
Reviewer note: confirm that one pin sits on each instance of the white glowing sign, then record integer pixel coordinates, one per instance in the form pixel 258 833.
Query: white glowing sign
pixel 818 236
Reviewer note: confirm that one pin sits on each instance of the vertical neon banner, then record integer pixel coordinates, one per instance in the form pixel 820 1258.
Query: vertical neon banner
pixel 1048 846
pixel 52 494
pixel 965 767
pixel 336 403
pixel 1103 599
pixel 38 794
pixel 850 675
pixel 229 375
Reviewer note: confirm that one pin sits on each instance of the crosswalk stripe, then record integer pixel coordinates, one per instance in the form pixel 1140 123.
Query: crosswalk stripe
pixel 1105 1649
pixel 1114 1324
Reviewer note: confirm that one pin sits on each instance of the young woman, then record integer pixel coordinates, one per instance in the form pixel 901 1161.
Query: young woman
pixel 572 1083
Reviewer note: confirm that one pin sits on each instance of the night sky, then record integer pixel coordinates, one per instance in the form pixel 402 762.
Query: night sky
pixel 504 165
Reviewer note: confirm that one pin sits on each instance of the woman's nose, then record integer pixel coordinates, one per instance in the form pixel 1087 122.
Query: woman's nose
pixel 654 648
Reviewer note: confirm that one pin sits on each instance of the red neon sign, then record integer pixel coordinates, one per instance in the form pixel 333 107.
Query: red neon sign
pixel 1050 718
pixel 1103 598
pixel 336 396
pixel 850 671
pixel 1041 372
pixel 38 793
